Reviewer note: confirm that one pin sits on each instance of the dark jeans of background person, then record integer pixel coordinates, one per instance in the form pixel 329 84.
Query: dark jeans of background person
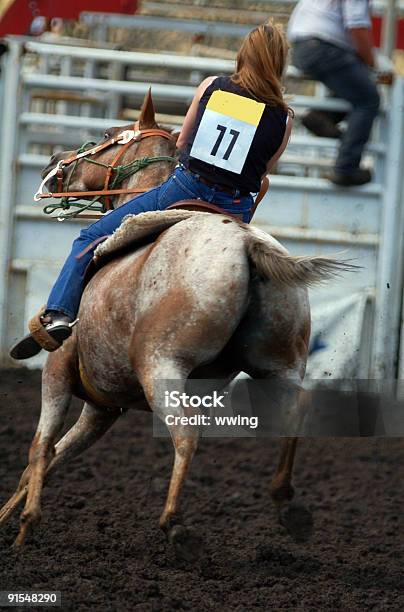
pixel 343 72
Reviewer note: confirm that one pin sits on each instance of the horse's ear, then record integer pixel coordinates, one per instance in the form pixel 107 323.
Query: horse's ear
pixel 147 119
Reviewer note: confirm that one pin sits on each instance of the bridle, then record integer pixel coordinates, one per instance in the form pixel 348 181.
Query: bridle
pixel 126 139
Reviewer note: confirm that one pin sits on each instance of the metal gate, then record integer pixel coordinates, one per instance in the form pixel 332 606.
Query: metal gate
pixel 59 96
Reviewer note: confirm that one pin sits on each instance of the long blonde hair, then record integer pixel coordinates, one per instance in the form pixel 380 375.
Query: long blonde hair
pixel 261 63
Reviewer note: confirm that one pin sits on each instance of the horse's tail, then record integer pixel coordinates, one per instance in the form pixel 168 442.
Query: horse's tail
pixel 273 262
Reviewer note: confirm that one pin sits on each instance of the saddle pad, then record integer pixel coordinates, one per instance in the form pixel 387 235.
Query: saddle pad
pixel 138 230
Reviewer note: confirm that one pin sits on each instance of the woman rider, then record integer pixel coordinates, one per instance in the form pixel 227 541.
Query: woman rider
pixel 235 130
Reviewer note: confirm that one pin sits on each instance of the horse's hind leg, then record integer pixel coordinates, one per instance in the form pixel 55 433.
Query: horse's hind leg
pixel 295 517
pixel 278 321
pixel 186 542
pixel 286 408
pixel 296 409
pixel 185 443
pixel 281 486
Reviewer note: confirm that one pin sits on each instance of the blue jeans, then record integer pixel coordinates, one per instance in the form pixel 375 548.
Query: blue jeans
pixel 343 72
pixel 182 185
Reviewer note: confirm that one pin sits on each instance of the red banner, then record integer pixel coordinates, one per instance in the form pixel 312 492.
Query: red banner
pixel 377 32
pixel 16 16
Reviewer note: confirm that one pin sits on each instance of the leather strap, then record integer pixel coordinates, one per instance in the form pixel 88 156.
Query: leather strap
pixel 201 206
pixel 111 141
pixel 261 195
pixel 92 246
pixel 98 398
pixel 108 175
pixel 74 194
pixel 139 135
pixel 39 333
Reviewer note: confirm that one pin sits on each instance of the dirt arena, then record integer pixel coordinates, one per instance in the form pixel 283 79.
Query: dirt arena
pixel 99 545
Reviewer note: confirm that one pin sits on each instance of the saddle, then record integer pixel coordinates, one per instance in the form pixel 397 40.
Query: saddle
pixel 202 206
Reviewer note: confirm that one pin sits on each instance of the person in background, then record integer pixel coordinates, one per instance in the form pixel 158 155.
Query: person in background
pixel 332 43
pixel 39 25
pixel 56 27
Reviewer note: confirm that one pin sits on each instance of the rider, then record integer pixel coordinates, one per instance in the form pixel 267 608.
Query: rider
pixel 235 130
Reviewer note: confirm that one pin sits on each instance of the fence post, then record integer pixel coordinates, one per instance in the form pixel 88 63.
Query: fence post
pixel 9 129
pixel 389 287
pixel 400 375
pixel 389 27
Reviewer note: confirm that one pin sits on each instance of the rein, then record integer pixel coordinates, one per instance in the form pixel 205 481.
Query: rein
pixel 122 172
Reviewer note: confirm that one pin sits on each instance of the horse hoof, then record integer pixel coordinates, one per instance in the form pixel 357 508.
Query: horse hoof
pixel 19 544
pixel 186 542
pixel 298 522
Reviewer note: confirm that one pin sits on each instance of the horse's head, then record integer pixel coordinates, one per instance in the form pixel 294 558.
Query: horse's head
pixel 111 163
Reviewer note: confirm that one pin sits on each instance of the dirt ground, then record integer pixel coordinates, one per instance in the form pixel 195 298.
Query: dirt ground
pixel 99 543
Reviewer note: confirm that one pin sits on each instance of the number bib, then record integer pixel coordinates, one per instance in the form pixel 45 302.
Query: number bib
pixel 226 130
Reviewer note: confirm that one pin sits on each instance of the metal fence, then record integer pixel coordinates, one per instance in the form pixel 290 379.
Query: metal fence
pixel 56 97
pixel 99 23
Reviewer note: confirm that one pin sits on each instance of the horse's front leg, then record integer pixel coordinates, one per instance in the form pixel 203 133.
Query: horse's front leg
pixel 57 382
pixel 90 426
pixel 17 497
pixel 56 396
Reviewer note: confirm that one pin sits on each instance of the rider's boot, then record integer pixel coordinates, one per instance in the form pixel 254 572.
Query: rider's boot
pixel 48 330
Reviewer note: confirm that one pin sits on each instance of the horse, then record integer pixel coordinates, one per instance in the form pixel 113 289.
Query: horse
pixel 209 298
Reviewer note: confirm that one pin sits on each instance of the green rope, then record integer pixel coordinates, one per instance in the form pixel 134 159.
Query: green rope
pixel 122 173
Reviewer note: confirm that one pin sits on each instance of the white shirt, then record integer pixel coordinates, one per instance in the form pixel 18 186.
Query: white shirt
pixel 329 20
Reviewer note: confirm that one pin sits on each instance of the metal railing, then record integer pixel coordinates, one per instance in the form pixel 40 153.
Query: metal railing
pixel 99 23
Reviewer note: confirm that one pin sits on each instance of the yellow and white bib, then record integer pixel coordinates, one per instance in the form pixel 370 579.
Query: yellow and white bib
pixel 226 130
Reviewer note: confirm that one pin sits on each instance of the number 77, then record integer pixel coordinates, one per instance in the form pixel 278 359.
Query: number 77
pixel 223 129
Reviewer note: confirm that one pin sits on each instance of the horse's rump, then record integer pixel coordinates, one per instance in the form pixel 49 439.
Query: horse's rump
pixel 271 260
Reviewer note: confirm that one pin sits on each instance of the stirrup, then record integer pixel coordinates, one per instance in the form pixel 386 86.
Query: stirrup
pixel 41 337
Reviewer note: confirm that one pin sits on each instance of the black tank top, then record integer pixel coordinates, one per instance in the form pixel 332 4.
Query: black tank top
pixel 267 139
